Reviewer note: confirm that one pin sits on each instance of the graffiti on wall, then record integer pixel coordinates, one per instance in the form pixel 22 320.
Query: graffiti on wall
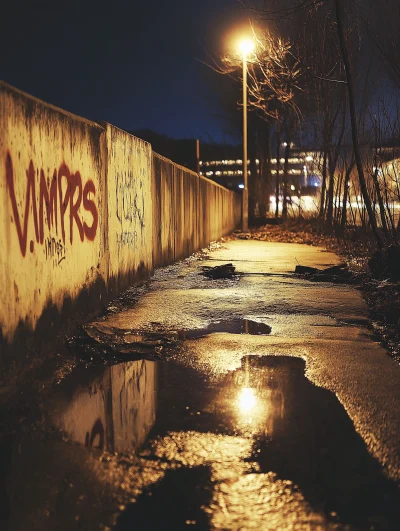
pixel 54 250
pixel 130 206
pixel 58 203
pixel 127 237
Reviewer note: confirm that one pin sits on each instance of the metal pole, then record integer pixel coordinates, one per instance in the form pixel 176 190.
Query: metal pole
pixel 198 155
pixel 245 195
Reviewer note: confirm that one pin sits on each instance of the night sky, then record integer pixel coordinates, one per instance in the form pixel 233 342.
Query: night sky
pixel 132 63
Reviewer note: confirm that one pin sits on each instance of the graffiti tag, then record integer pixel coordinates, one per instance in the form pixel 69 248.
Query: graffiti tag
pixel 127 238
pixel 59 202
pixel 54 250
pixel 129 205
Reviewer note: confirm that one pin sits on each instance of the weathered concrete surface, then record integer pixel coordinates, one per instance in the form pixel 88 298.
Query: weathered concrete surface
pixel 51 219
pixel 317 322
pixel 189 211
pixel 130 207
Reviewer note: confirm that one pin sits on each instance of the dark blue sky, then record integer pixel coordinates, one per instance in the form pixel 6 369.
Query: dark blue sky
pixel 132 63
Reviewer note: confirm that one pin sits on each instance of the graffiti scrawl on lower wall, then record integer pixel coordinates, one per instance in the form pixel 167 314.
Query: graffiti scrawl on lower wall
pixel 59 203
pixel 127 238
pixel 54 250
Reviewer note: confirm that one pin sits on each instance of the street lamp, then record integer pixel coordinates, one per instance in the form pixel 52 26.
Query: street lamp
pixel 246 46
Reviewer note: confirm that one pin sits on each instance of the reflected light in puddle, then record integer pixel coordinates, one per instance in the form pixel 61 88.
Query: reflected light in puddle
pixel 252 409
pixel 247 400
pixel 249 406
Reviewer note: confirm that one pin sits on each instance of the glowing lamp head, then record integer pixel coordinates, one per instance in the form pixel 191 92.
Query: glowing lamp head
pixel 246 46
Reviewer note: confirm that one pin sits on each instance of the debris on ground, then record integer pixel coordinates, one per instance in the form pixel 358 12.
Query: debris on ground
pixel 244 235
pixel 108 345
pixel 305 270
pixel 220 271
pixel 339 274
pixel 287 234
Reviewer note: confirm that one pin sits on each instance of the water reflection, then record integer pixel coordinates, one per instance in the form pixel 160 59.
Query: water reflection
pixel 307 437
pixel 259 444
pixel 114 410
pixel 230 326
pixel 253 397
pixel 247 401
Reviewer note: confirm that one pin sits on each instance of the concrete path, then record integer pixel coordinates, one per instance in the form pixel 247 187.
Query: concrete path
pixel 324 324
pixel 262 402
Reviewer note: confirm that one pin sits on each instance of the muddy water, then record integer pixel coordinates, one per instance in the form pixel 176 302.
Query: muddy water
pixel 156 445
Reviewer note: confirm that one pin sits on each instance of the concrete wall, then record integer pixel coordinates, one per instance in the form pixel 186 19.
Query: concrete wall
pixel 52 175
pixel 130 234
pixel 189 211
pixel 86 210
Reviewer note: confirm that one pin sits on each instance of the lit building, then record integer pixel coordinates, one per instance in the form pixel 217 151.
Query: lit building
pixel 303 174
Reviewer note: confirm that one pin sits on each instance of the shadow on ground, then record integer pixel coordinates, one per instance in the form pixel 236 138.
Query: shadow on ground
pixel 173 503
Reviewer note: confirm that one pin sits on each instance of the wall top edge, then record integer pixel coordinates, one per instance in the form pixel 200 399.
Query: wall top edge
pixel 107 125
pixel 101 125
pixel 7 88
pixel 187 170
pixel 165 159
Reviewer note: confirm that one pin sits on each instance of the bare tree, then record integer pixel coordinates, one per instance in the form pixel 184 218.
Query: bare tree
pixel 339 13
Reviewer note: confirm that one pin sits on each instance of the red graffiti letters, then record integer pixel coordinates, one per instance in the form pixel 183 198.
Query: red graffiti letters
pixel 60 200
pixel 50 200
pixel 88 205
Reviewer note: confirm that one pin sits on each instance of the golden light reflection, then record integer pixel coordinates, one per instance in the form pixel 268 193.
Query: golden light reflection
pixel 247 400
pixel 251 409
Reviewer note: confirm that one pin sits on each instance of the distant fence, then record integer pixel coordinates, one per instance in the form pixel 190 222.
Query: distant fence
pixel 86 210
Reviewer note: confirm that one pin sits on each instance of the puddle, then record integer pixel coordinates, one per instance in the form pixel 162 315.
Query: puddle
pixel 231 326
pixel 103 343
pixel 264 419
pixel 113 409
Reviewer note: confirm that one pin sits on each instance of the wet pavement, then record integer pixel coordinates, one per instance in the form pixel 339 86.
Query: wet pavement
pixel 255 402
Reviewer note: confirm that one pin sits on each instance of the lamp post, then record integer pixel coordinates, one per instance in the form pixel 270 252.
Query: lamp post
pixel 246 46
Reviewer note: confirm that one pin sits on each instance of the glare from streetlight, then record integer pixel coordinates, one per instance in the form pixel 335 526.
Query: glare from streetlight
pixel 246 46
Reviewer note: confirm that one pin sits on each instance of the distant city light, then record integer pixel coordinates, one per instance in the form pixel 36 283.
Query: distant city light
pixel 241 185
